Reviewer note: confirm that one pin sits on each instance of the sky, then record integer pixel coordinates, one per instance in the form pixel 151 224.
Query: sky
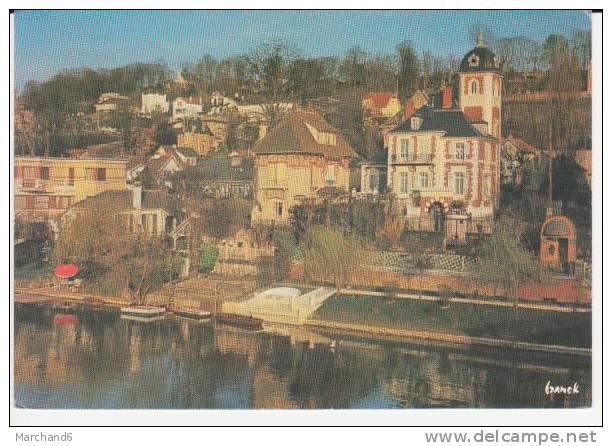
pixel 48 41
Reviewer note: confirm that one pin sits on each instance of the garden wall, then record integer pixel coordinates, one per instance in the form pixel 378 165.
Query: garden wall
pixel 558 289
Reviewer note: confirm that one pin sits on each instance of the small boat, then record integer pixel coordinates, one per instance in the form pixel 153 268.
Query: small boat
pixel 238 320
pixel 143 312
pixel 192 313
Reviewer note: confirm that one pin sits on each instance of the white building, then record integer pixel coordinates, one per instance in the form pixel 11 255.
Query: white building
pixel 154 103
pixel 444 163
pixel 186 108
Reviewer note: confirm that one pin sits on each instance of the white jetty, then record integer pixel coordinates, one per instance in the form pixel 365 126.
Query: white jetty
pixel 142 313
pixel 284 305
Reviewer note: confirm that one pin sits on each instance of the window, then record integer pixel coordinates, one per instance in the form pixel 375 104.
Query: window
pixel 44 173
pixel 415 123
pixel 374 181
pixel 71 176
pixel 330 175
pixel 474 87
pixel 487 185
pixel 460 151
pixel 404 183
pixel 278 209
pixel 154 224
pixel 100 174
pixel 424 180
pixel 143 222
pixel 459 183
pixel 403 148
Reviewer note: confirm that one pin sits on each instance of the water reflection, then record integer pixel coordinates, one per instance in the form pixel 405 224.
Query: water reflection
pixel 102 361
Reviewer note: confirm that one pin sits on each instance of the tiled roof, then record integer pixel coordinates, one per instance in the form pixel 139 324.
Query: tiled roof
pixel 380 99
pixel 522 145
pixel 450 121
pixel 292 135
pixel 122 200
pixel 217 167
pixel 159 199
pixel 106 150
pixel 156 164
pixel 191 100
pixel 115 200
pixel 187 151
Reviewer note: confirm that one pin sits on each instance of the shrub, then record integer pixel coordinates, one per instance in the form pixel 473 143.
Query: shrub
pixel 208 258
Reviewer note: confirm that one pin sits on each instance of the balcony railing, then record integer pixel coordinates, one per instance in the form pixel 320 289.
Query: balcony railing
pixel 410 158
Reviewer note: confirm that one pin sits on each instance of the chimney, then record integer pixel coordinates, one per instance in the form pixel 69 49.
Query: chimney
pixel 409 109
pixel 447 97
pixel 137 196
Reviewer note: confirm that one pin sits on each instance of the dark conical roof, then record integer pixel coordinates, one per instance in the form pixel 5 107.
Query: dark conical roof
pixel 480 58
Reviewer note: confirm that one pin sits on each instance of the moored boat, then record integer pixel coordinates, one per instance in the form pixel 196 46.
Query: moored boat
pixel 192 313
pixel 143 312
pixel 238 320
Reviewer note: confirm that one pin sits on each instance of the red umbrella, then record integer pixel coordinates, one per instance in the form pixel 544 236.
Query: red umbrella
pixel 66 271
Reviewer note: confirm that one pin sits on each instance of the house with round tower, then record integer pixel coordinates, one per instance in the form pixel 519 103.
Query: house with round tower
pixel 443 168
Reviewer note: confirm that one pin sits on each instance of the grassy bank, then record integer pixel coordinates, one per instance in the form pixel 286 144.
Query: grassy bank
pixel 32 271
pixel 512 324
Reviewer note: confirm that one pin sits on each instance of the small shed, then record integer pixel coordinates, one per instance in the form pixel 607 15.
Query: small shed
pixel 558 242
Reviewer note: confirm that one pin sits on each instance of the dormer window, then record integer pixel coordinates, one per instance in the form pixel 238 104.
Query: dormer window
pixel 326 138
pixel 415 123
pixel 473 60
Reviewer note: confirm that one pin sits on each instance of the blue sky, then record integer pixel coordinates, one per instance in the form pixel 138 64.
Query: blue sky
pixel 49 41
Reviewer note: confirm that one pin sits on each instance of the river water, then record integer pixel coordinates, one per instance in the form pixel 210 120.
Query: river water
pixel 96 359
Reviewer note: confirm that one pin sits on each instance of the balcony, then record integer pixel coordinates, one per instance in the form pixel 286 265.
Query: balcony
pixel 411 159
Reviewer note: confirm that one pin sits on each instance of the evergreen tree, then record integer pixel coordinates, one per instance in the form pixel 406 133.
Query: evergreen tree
pixel 408 71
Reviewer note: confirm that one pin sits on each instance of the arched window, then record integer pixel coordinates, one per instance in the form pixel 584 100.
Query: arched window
pixel 474 87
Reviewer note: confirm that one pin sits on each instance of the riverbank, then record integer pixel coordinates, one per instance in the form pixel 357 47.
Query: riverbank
pixel 393 334
pixel 462 322
pixel 528 327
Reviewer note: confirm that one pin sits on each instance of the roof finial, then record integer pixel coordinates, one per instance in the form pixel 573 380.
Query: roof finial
pixel 480 39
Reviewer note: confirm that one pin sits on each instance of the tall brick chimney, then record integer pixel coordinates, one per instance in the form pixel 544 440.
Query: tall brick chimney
pixel 447 96
pixel 409 108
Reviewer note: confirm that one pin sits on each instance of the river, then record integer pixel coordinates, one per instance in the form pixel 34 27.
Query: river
pixel 96 359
